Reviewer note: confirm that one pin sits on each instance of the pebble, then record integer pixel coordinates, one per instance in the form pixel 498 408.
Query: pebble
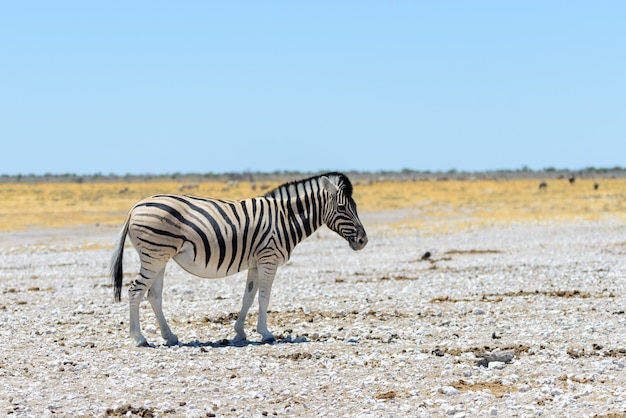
pixel 498 365
pixel 449 390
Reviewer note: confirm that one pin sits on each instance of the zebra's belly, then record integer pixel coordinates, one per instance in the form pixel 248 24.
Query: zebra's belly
pixel 188 260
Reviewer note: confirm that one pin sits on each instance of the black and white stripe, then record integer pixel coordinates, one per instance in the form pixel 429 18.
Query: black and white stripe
pixel 216 238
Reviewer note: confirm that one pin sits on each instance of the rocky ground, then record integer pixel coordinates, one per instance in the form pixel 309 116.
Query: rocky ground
pixel 511 320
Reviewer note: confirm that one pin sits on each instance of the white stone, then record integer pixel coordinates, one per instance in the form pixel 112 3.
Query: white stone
pixel 449 390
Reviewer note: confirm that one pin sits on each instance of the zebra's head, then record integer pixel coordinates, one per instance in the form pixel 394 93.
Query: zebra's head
pixel 340 210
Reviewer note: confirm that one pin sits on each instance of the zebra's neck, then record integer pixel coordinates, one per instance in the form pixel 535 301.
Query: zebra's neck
pixel 302 205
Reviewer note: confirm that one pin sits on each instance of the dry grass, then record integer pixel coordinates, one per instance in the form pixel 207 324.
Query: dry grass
pixel 427 205
pixel 437 206
pixel 69 204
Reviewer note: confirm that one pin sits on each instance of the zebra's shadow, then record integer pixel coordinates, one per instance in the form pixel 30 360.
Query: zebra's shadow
pixel 232 343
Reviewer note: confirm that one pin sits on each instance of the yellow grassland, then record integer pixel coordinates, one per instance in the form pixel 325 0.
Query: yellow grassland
pixel 429 205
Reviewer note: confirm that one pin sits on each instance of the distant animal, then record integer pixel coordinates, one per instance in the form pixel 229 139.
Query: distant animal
pixel 572 179
pixel 596 186
pixel 216 238
pixel 543 185
pixel 184 187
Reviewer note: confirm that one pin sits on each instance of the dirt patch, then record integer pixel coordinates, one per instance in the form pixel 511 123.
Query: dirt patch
pixel 386 395
pixel 497 388
pixel 498 297
pixel 596 350
pixel 457 351
pixel 470 252
pixel 124 411
pixel 550 293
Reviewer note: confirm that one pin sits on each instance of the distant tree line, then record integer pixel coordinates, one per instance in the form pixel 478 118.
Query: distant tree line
pixel 280 175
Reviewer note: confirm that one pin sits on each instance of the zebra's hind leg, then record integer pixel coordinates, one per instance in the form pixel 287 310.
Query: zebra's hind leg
pixel 252 285
pixel 154 297
pixel 136 293
pixel 145 280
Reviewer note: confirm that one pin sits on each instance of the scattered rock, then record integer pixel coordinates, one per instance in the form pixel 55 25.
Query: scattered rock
pixel 497 356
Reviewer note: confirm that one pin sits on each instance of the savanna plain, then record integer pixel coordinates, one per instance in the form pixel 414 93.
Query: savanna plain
pixel 473 297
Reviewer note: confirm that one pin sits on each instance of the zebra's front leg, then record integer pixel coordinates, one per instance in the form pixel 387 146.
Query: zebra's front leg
pixel 155 298
pixel 252 285
pixel 266 278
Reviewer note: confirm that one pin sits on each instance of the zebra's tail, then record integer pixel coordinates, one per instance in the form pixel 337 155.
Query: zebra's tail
pixel 117 269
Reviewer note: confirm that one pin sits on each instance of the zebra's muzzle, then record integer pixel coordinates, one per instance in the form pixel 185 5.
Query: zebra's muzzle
pixel 358 242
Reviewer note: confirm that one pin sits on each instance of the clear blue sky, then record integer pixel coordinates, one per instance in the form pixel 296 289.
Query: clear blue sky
pixel 204 86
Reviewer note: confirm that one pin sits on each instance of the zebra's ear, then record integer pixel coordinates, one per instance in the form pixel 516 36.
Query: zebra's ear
pixel 329 186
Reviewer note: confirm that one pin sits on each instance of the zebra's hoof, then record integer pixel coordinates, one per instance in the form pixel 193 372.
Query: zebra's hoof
pixel 238 343
pixel 171 340
pixel 144 343
pixel 268 340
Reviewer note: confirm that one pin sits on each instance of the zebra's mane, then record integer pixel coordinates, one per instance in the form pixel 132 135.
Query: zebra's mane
pixel 340 179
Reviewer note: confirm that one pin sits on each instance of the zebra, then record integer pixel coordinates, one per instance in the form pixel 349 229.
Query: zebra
pixel 215 238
